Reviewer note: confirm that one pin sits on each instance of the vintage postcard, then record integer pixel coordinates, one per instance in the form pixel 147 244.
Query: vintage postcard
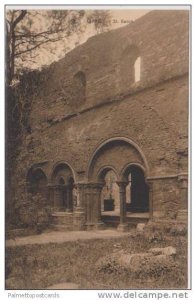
pixel 97 148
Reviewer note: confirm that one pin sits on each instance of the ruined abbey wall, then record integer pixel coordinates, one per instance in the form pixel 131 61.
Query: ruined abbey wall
pixel 90 97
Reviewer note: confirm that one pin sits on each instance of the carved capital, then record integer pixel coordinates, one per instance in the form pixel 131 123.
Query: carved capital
pixel 80 185
pixel 122 185
pixel 96 186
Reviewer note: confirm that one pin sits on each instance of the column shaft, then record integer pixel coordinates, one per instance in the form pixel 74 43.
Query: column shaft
pixel 80 211
pixel 94 206
pixel 122 192
pixel 150 186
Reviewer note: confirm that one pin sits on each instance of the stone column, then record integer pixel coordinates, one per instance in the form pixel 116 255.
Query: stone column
pixel 57 196
pixel 183 184
pixel 123 226
pixel 69 199
pixel 51 195
pixel 79 210
pixel 80 187
pixel 97 188
pixel 94 206
pixel 88 207
pixel 150 187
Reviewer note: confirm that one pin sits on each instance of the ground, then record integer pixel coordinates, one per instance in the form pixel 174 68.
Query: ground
pixel 74 260
pixel 60 237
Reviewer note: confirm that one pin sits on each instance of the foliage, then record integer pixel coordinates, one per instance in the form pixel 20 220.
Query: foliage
pixel 28 34
pixel 18 107
pixel 32 211
pixel 28 31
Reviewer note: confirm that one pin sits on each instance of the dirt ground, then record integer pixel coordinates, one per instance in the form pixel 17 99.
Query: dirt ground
pixel 67 236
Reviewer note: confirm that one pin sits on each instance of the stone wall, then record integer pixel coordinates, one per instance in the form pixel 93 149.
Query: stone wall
pixel 155 119
pixel 161 39
pixel 153 113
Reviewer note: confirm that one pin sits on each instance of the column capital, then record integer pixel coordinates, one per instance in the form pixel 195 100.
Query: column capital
pixel 96 185
pixel 122 184
pixel 80 184
pixel 50 185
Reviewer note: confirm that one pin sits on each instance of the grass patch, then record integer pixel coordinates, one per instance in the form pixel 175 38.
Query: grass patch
pixel 39 266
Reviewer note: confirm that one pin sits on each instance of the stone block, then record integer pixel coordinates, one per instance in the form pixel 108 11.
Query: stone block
pixel 123 227
pixel 169 251
pixel 140 227
pixel 139 264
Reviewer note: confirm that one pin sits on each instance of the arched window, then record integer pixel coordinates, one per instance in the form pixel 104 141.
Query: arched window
pixel 137 190
pixel 130 67
pixel 62 178
pixel 137 69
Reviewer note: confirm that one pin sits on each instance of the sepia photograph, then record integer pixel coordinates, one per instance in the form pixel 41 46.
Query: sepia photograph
pixel 97 114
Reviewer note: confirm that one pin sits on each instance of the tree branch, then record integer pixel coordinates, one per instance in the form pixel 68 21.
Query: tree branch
pixel 19 18
pixel 36 46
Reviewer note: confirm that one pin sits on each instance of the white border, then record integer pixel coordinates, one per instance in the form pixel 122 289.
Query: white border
pixel 182 7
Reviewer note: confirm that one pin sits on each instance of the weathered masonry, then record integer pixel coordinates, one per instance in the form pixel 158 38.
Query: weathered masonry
pixel 116 105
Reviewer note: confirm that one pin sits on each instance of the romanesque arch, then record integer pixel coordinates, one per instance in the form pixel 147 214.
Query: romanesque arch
pixel 62 185
pixel 138 188
pixel 37 184
pixel 124 158
pixel 115 153
pixel 104 170
pixel 109 194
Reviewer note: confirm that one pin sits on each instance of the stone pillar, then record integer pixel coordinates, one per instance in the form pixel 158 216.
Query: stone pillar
pixel 79 210
pixel 51 195
pixel 183 185
pixel 69 199
pixel 97 205
pixel 57 197
pixel 94 206
pixel 150 187
pixel 81 187
pixel 123 226
pixel 88 207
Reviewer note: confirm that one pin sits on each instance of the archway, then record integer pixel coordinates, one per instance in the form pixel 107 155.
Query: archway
pixel 62 187
pixel 113 155
pixel 110 202
pixel 116 152
pixel 37 185
pixel 109 193
pixel 137 191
